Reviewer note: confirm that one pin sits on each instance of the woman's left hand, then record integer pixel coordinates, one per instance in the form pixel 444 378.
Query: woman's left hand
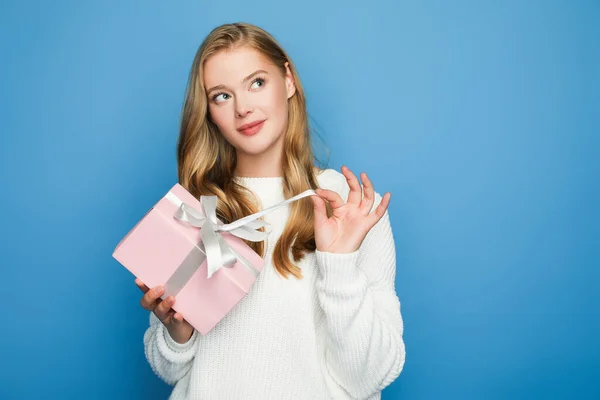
pixel 346 229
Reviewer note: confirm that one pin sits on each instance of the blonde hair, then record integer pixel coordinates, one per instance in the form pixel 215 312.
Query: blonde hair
pixel 206 161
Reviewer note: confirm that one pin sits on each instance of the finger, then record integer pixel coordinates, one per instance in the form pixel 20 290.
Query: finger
pixel 163 308
pixel 380 209
pixel 355 194
pixel 320 211
pixel 141 285
pixel 149 300
pixel 149 305
pixel 332 197
pixel 367 202
pixel 177 318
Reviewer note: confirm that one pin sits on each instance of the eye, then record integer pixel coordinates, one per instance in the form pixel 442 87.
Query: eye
pixel 258 80
pixel 216 96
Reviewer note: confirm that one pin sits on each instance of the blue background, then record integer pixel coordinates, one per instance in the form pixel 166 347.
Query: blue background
pixel 482 119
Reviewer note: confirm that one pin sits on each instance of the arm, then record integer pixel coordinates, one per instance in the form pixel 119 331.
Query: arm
pixel 167 358
pixel 364 350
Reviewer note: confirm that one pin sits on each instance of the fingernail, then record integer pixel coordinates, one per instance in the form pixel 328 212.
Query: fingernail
pixel 160 289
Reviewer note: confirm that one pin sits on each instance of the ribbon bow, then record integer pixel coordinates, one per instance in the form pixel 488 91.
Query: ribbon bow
pixel 218 252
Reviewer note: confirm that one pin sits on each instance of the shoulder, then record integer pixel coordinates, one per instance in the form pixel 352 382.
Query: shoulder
pixel 334 180
pixel 331 179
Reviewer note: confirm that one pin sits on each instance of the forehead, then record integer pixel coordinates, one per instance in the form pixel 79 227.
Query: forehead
pixel 231 66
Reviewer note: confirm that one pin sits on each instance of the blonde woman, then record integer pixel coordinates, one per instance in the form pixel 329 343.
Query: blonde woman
pixel 322 320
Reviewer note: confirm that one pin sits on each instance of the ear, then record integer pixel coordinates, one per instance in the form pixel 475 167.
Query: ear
pixel 289 81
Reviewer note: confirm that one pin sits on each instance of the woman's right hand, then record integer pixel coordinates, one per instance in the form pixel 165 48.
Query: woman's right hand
pixel 180 330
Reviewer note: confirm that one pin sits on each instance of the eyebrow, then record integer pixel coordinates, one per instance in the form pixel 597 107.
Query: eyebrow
pixel 243 80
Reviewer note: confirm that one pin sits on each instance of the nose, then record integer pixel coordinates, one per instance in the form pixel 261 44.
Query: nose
pixel 242 107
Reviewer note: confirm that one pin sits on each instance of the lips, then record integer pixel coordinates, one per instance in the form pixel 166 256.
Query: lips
pixel 250 125
pixel 251 128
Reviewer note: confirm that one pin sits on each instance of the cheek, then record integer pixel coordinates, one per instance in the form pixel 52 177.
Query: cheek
pixel 220 117
pixel 277 103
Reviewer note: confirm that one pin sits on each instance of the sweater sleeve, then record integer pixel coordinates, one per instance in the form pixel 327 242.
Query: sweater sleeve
pixel 169 360
pixel 364 350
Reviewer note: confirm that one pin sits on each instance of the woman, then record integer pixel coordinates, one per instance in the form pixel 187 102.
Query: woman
pixel 333 330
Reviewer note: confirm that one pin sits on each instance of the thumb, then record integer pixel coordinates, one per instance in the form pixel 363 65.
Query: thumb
pixel 177 318
pixel 320 210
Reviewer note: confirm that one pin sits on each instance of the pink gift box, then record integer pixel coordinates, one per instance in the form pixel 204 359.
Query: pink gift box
pixel 159 243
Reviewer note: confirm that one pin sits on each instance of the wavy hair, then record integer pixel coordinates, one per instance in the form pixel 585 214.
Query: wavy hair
pixel 206 161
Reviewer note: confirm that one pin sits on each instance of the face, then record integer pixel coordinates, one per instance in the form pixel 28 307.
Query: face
pixel 243 88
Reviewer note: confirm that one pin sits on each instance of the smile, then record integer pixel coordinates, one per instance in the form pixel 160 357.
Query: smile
pixel 251 128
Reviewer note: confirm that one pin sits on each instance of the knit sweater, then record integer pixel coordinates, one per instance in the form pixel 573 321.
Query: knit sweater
pixel 334 334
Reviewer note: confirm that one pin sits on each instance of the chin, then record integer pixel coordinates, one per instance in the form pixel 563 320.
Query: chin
pixel 256 145
pixel 253 150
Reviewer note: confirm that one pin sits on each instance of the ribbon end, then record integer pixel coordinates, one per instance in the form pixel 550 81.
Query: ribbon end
pixel 209 274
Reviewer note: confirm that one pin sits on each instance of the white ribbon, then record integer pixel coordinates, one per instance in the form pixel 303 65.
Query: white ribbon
pixel 218 252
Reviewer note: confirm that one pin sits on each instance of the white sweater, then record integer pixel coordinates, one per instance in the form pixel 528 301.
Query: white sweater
pixel 335 334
